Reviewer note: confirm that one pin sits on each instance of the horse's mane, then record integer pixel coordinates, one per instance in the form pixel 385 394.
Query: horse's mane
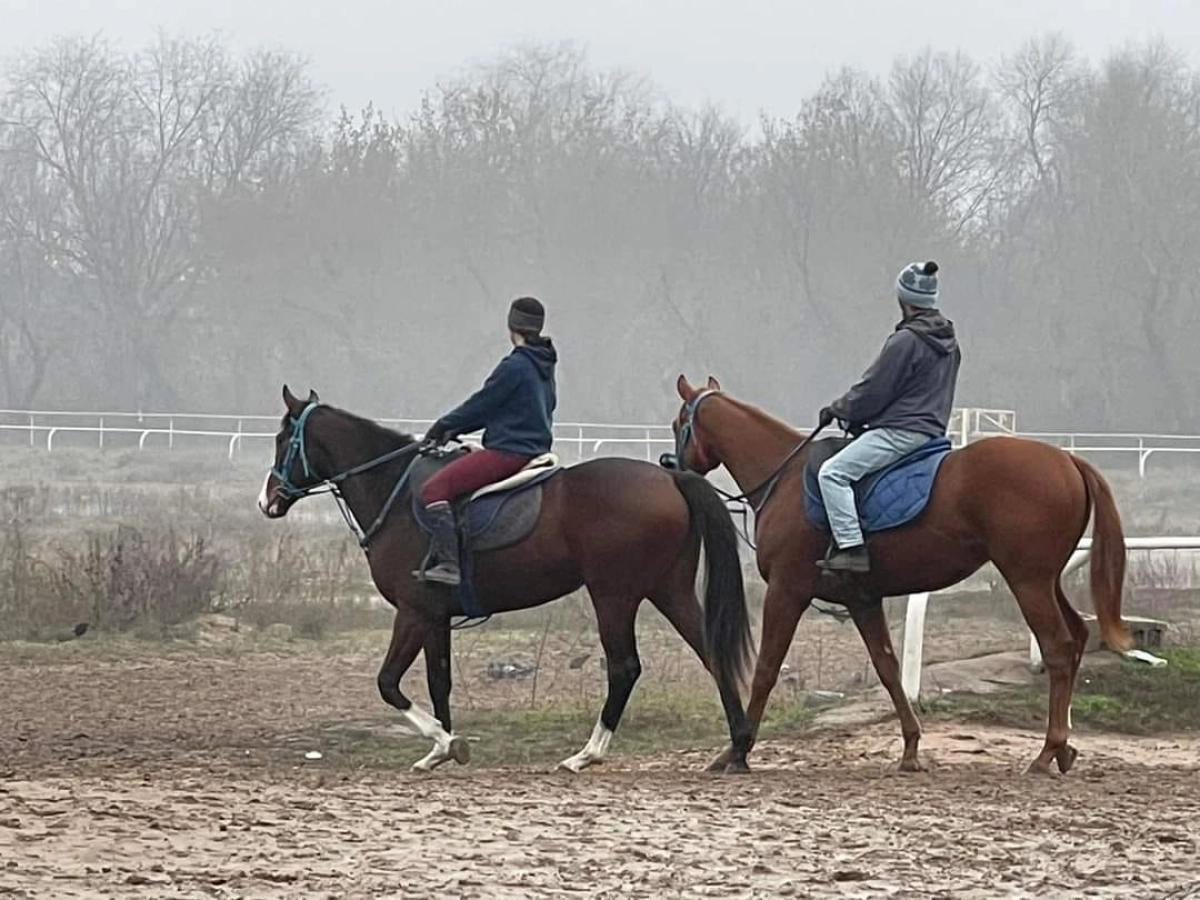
pixel 379 437
pixel 765 417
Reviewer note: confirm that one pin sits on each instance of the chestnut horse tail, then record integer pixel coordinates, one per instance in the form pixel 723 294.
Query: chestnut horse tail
pixel 1108 559
pixel 727 639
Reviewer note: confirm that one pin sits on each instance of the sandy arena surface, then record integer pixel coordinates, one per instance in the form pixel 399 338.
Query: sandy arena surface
pixel 186 781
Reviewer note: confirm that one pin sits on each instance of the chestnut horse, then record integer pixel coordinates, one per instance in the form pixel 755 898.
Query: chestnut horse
pixel 1018 503
pixel 624 528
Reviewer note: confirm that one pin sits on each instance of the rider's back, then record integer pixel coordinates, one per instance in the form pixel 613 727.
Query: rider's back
pixel 913 385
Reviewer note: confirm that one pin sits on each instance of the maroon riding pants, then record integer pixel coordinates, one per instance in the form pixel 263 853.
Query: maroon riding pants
pixel 470 473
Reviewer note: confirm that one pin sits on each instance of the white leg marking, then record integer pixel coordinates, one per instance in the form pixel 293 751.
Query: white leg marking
pixel 593 752
pixel 431 728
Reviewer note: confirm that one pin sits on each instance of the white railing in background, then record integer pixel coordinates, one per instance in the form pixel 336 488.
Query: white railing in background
pixel 165 430
pixel 51 428
pixel 914 619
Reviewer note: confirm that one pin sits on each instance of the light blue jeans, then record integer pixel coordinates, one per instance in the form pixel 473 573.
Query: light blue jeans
pixel 874 450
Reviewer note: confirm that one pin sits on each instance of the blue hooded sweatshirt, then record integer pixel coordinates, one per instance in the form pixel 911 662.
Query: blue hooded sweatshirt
pixel 515 406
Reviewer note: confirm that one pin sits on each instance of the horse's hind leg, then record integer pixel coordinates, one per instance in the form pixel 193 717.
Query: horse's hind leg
pixel 615 617
pixel 872 625
pixel 1079 631
pixel 680 607
pixel 1060 646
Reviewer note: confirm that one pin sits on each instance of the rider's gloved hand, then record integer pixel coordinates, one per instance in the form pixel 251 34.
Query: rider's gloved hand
pixel 436 435
pixel 827 417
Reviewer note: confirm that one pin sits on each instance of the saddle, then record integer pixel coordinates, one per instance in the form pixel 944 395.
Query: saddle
pixel 495 516
pixel 889 498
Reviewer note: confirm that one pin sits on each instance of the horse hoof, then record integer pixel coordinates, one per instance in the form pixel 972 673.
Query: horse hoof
pixel 721 762
pixel 1037 767
pixel 460 751
pixel 1066 758
pixel 737 768
pixel 573 766
pixel 911 765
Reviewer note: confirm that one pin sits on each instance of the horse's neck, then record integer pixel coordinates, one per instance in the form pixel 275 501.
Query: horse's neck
pixel 750 443
pixel 366 492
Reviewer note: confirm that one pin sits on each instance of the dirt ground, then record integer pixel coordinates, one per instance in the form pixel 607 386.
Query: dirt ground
pixel 185 776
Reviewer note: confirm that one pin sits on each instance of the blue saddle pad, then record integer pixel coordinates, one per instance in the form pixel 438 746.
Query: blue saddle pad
pixel 493 521
pixel 889 498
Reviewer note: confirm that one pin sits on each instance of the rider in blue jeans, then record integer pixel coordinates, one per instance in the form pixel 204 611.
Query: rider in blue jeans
pixel 902 402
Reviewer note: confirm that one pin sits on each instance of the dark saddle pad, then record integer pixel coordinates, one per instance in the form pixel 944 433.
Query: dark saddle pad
pixel 492 521
pixel 889 498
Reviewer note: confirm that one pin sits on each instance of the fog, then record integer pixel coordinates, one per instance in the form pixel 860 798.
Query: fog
pixel 188 219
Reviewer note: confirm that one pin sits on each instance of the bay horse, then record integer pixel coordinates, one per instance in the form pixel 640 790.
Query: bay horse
pixel 1018 503
pixel 624 528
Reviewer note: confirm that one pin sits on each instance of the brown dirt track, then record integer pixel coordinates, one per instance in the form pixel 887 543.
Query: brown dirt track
pixel 186 778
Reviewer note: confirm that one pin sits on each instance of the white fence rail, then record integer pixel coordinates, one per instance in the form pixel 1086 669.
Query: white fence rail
pixel 53 430
pixel 914 621
pixel 576 441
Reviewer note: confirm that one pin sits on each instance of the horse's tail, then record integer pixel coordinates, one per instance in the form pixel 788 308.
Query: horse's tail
pixel 1108 558
pixel 727 637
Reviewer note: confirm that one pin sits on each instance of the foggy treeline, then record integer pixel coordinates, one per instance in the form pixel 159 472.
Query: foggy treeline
pixel 185 228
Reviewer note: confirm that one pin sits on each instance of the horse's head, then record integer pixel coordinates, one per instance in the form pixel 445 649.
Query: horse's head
pixel 293 475
pixel 692 452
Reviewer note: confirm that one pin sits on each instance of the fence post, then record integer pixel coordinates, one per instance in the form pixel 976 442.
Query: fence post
pixel 170 434
pixel 31 428
pixel 914 639
pixel 101 432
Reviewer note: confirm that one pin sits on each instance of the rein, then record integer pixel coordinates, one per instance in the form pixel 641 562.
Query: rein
pixel 297 447
pixel 685 436
pixel 741 503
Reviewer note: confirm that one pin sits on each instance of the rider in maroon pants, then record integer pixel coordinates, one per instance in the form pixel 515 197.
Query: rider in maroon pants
pixel 515 408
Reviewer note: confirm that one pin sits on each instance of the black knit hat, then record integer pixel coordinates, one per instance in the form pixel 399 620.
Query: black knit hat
pixel 526 316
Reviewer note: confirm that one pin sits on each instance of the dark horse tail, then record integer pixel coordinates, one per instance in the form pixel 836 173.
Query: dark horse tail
pixel 726 622
pixel 1108 559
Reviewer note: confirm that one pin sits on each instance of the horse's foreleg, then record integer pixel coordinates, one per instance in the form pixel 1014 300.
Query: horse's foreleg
pixel 615 617
pixel 872 625
pixel 408 636
pixel 782 608
pixel 437 671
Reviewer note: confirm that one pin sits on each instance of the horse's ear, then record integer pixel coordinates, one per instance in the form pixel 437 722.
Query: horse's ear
pixel 289 399
pixel 686 391
pixel 312 397
pixel 713 384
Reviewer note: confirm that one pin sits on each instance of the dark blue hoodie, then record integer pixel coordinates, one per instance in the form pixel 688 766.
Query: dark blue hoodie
pixel 516 404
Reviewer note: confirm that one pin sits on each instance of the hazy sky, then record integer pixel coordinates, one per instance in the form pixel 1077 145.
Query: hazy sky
pixel 746 55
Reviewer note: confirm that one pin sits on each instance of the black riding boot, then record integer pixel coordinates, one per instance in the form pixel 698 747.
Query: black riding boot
pixel 853 559
pixel 443 551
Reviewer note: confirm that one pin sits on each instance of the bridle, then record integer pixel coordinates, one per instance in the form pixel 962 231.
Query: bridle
pixel 297 449
pixel 685 435
pixel 742 502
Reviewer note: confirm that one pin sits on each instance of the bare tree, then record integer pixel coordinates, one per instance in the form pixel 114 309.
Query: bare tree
pixel 944 121
pixel 134 145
